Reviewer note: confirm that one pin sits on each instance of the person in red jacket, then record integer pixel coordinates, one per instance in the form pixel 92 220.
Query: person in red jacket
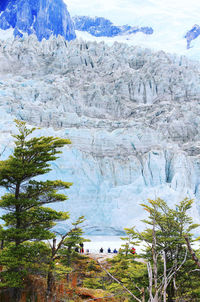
pixel 133 250
pixel 81 248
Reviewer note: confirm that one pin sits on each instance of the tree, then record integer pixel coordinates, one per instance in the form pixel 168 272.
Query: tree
pixel 27 219
pixel 64 251
pixel 166 252
pixel 170 272
pixel 131 240
pixel 128 273
pixel 72 240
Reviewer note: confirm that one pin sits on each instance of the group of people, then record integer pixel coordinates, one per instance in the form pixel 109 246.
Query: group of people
pixel 132 251
pixel 109 251
pixel 81 250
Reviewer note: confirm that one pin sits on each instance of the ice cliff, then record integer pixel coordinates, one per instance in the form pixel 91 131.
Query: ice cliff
pixel 101 27
pixel 41 17
pixel 132 115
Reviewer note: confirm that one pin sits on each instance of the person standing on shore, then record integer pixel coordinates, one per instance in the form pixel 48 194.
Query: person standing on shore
pixel 81 248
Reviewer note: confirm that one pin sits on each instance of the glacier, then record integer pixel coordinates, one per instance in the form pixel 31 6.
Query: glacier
pixel 131 113
pixel 40 17
pixel 101 27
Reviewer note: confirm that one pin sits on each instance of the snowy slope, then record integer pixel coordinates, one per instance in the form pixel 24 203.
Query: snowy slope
pixel 171 20
pixel 177 45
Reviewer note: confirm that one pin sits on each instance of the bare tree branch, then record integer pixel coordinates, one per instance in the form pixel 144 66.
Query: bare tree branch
pixel 4 149
pixel 165 278
pixel 194 270
pixel 169 277
pixel 174 282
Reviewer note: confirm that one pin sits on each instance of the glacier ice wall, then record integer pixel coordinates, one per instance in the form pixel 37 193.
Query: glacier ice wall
pixel 132 116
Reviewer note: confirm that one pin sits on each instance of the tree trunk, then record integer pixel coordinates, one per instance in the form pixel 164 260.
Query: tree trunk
pixel 194 257
pixel 153 276
pixel 2 244
pixel 68 261
pixel 150 276
pixel 143 294
pixel 165 278
pixel 171 292
pixel 50 277
pixel 16 294
pixel 50 283
pixel 154 255
pixel 17 210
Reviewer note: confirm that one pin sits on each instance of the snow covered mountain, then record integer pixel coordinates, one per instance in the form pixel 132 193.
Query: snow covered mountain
pixel 51 17
pixel 101 27
pixel 132 114
pixel 192 34
pixel 170 20
pixel 41 17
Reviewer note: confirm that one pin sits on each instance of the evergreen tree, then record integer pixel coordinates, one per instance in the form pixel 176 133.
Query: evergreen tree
pixel 72 241
pixel 26 217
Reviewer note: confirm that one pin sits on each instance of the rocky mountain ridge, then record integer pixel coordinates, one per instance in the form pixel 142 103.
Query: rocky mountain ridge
pixel 40 17
pixel 192 34
pixel 101 27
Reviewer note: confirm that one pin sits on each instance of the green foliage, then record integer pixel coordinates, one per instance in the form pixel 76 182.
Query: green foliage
pixel 187 282
pixel 131 240
pixel 18 262
pixel 28 221
pixel 170 227
pixel 72 240
pixel 92 266
pixel 26 216
pixel 60 271
pixel 94 283
pixel 130 272
pixel 171 224
pixel 165 231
